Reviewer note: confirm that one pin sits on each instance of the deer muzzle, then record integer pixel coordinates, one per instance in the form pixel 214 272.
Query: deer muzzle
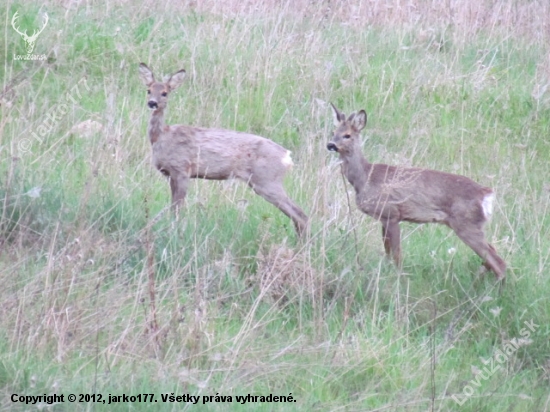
pixel 152 104
pixel 332 147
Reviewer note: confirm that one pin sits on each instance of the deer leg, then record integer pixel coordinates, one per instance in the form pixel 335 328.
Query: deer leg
pixel 276 195
pixel 391 235
pixel 386 239
pixel 178 186
pixel 475 238
pixel 501 263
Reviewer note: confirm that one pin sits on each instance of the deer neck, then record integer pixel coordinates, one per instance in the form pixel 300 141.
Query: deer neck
pixel 156 125
pixel 356 169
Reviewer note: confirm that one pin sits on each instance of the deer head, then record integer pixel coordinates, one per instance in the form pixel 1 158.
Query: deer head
pixel 157 92
pixel 346 137
pixel 30 41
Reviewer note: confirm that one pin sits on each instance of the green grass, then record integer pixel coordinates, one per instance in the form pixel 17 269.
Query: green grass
pixel 240 305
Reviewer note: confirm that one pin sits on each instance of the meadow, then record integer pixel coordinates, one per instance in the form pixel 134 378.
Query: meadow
pixel 106 293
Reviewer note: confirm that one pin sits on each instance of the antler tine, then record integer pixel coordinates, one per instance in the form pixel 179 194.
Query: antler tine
pixel 45 20
pixel 13 22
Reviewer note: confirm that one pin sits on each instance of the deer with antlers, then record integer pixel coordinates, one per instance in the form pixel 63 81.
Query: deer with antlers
pixel 393 194
pixel 30 41
pixel 187 152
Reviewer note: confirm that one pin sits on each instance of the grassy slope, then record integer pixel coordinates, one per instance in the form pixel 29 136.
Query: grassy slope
pixel 336 326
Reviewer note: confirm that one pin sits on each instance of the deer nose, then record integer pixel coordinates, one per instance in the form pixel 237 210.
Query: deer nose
pixel 152 104
pixel 332 147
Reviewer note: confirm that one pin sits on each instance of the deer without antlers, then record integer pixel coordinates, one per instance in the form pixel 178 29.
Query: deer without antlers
pixel 187 152
pixel 393 194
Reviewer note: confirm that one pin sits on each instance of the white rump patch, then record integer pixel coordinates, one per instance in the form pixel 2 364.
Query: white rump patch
pixel 487 205
pixel 287 160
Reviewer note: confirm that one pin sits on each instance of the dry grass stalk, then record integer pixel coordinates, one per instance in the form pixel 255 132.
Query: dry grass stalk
pixel 283 274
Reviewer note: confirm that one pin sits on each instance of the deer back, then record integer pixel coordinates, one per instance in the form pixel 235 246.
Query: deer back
pixel 422 195
pixel 217 154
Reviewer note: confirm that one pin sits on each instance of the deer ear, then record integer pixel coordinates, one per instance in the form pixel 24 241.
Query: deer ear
pixel 146 75
pixel 358 120
pixel 176 79
pixel 338 117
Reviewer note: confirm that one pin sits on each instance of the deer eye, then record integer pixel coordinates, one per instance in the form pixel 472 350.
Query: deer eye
pixel 346 136
pixel 164 94
pixel 148 91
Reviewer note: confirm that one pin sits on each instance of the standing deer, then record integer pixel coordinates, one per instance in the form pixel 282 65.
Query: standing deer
pixel 393 194
pixel 186 152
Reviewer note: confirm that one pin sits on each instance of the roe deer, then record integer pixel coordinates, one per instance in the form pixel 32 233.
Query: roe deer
pixel 393 194
pixel 186 152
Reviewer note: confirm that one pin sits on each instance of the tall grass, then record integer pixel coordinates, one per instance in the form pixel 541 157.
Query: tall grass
pixel 102 293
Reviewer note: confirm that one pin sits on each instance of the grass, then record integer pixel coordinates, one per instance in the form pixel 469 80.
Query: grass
pixel 99 296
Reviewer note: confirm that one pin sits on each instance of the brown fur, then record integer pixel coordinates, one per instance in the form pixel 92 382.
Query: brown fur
pixel 187 152
pixel 393 194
